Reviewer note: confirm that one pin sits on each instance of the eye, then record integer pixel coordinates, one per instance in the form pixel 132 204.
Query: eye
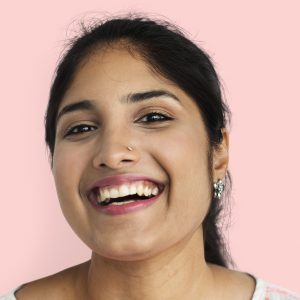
pixel 80 129
pixel 155 117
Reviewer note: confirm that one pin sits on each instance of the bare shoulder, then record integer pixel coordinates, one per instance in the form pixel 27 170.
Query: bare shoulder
pixel 238 285
pixel 57 286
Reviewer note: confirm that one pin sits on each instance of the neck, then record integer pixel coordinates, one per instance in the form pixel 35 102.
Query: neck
pixel 179 272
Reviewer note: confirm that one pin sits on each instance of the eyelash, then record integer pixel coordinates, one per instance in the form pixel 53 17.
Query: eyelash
pixel 71 131
pixel 155 113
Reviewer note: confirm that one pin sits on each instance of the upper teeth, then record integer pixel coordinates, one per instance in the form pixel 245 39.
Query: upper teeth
pixel 142 188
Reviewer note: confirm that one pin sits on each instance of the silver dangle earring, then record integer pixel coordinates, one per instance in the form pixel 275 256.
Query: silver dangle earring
pixel 219 189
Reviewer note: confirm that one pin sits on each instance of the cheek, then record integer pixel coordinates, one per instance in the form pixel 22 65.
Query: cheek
pixel 185 160
pixel 68 165
pixel 67 168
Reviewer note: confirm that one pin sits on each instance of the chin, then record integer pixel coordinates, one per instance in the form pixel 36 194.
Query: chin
pixel 129 250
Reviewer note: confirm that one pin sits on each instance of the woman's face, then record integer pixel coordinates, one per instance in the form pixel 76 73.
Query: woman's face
pixel 123 108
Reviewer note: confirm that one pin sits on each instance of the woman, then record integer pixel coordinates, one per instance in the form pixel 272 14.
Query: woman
pixel 136 128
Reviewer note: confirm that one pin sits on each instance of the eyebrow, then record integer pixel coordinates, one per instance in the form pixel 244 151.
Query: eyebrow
pixel 131 98
pixel 77 106
pixel 137 97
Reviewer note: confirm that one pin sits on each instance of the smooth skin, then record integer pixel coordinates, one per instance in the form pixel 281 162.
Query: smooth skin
pixel 156 252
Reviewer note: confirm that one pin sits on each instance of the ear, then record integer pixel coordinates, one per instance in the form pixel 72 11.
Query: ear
pixel 221 157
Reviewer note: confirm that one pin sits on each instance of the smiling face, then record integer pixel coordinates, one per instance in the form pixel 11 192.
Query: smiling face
pixel 120 103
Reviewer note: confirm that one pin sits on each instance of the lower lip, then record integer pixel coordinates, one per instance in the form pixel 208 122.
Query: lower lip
pixel 125 208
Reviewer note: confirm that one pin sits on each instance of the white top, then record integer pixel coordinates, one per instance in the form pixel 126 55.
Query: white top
pixel 269 291
pixel 263 291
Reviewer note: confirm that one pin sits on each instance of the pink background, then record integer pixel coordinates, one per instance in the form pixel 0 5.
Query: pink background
pixel 255 46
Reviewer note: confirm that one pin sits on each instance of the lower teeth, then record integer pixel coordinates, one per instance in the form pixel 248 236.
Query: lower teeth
pixel 121 203
pixel 107 202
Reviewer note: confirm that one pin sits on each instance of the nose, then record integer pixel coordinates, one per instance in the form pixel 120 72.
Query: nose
pixel 115 150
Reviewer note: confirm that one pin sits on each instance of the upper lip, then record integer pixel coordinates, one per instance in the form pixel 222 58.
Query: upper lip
pixel 123 178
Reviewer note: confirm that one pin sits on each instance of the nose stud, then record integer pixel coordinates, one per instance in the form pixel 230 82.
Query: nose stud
pixel 129 148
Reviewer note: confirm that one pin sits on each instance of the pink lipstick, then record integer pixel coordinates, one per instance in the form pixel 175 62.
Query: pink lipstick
pixel 123 204
pixel 125 208
pixel 125 178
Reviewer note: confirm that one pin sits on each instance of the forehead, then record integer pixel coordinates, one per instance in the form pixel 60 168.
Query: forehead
pixel 115 67
pixel 114 73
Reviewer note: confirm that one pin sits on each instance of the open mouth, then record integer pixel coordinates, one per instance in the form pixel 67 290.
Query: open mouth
pixel 126 193
pixel 124 200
